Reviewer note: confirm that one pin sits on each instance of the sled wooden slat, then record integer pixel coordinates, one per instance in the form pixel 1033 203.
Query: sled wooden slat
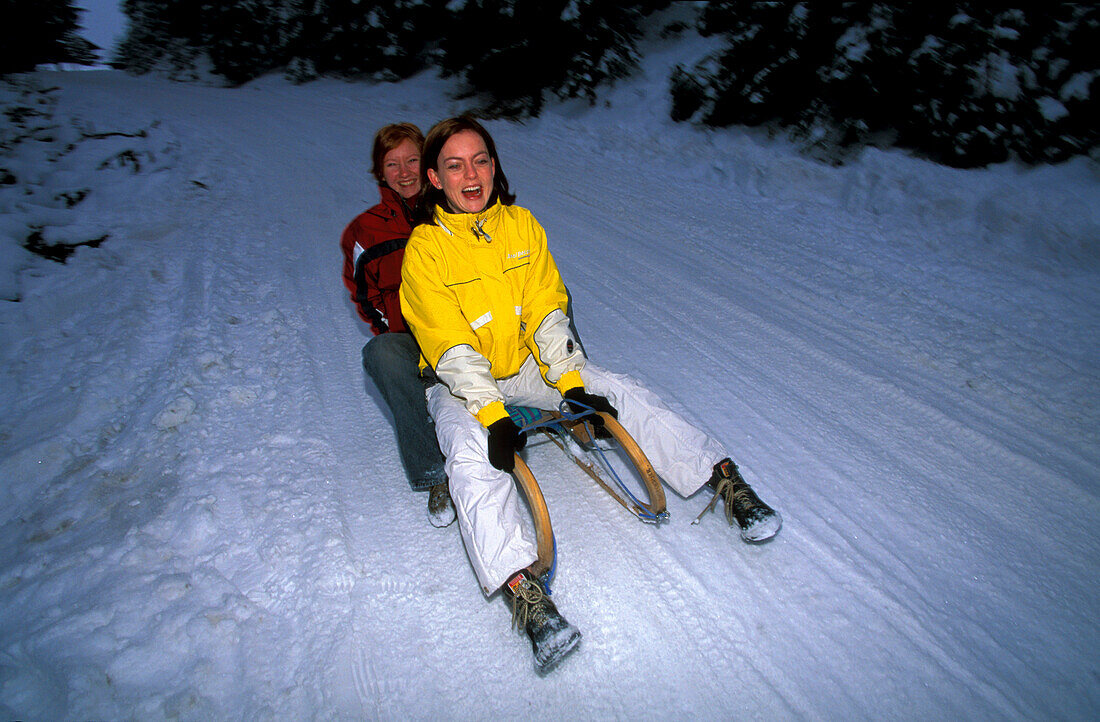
pixel 544 533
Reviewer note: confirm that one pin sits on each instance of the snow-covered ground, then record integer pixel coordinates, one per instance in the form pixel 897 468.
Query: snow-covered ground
pixel 203 514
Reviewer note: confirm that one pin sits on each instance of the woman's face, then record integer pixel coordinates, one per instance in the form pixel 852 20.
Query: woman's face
pixel 465 172
pixel 401 169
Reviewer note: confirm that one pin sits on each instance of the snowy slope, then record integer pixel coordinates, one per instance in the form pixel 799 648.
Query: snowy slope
pixel 204 515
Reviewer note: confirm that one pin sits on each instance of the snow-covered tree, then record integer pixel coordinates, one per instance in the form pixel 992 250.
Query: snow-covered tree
pixel 566 48
pixel 163 34
pixel 243 39
pixel 41 31
pixel 389 41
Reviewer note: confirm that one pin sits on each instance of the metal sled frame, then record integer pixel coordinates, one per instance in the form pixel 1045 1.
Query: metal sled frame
pixel 553 424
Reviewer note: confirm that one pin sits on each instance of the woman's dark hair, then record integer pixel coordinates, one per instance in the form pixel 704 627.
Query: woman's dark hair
pixel 441 132
pixel 389 137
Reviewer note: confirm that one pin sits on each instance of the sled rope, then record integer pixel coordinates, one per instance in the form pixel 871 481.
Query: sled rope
pixel 549 575
pixel 551 425
pixel 637 509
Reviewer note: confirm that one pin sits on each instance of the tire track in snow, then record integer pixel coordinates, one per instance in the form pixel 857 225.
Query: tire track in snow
pixel 943 651
pixel 799 346
pixel 660 616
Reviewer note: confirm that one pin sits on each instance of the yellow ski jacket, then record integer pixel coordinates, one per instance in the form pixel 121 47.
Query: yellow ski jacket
pixel 481 294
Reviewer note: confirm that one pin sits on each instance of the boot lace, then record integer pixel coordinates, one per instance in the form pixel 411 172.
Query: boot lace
pixel 737 494
pixel 528 602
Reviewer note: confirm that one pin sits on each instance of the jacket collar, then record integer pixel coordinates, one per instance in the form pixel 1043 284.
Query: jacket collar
pixel 393 204
pixel 470 226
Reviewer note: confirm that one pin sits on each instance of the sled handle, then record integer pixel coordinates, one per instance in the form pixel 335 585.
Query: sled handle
pixel 544 534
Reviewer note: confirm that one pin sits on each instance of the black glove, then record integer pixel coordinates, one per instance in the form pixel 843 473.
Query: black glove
pixel 578 395
pixel 505 439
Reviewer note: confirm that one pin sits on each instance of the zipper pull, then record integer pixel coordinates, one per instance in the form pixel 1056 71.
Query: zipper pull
pixel 478 231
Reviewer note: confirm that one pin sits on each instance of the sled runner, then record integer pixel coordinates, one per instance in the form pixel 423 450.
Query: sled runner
pixel 574 435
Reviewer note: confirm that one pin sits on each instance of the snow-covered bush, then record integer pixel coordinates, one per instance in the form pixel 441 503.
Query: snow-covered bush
pixel 512 54
pixel 966 83
pixel 164 35
pixel 565 48
pixel 243 39
pixel 385 41
pixel 49 165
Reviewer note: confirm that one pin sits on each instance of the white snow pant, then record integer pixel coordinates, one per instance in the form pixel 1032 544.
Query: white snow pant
pixel 498 539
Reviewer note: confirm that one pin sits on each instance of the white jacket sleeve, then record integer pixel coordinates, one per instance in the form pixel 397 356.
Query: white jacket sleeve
pixel 469 377
pixel 558 350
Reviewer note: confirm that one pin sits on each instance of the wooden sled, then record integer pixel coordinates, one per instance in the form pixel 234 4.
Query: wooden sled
pixel 556 425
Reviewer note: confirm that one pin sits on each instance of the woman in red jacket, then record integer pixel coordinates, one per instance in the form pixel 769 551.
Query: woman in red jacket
pixel 374 246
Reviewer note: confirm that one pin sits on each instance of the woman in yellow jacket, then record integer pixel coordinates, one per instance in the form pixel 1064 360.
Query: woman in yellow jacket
pixel 481 293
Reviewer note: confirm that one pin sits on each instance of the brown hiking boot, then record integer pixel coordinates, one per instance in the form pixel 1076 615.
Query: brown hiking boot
pixel 552 637
pixel 758 521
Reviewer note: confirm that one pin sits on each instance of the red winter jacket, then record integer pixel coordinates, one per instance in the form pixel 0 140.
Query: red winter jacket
pixel 374 245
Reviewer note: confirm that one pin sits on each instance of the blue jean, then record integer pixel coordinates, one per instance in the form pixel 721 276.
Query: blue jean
pixel 392 362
